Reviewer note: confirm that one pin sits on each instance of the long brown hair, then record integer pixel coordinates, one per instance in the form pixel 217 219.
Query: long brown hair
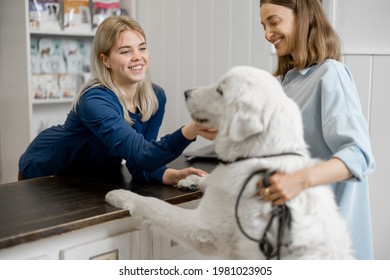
pixel 106 35
pixel 315 39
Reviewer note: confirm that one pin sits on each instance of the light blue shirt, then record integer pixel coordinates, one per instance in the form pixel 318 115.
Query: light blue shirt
pixel 334 126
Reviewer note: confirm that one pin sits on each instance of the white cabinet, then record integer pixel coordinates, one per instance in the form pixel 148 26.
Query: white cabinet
pixel 122 239
pixel 164 247
pixel 118 239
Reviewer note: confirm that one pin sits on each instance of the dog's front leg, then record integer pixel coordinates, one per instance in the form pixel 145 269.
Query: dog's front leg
pixel 192 183
pixel 184 225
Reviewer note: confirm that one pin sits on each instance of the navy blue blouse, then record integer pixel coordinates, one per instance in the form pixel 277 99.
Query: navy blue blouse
pixel 96 137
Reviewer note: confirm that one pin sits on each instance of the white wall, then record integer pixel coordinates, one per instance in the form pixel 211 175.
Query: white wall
pixel 355 20
pixel 1 82
pixel 14 110
pixel 192 42
pixel 366 48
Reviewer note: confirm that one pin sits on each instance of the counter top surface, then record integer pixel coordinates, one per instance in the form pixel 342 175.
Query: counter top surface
pixel 47 206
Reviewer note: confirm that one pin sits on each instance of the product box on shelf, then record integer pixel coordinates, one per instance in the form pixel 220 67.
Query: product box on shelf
pixel 51 58
pixel 71 15
pixel 59 66
pixel 77 15
pixel 77 54
pixel 35 65
pixel 55 86
pixel 44 14
pixel 45 86
pixel 100 9
pixel 68 84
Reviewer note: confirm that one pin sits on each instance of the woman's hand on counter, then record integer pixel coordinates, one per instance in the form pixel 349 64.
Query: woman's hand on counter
pixel 173 176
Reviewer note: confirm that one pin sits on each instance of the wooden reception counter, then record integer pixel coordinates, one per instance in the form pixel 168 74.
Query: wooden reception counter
pixel 51 207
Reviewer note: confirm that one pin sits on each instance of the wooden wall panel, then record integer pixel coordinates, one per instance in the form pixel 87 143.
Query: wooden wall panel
pixel 361 68
pixel 193 42
pixel 380 139
pixel 370 20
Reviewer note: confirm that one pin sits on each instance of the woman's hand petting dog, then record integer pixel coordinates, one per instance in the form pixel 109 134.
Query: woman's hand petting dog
pixel 208 133
pixel 193 129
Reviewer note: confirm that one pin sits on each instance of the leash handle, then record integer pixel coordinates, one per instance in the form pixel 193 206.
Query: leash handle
pixel 266 176
pixel 262 171
pixel 282 212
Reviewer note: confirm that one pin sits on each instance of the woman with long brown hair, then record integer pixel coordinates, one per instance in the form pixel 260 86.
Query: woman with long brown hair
pixel 308 65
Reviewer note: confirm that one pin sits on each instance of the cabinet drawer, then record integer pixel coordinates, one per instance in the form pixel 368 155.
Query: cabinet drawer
pixel 110 248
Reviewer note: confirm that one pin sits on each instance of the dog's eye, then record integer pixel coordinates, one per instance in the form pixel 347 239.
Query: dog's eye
pixel 219 90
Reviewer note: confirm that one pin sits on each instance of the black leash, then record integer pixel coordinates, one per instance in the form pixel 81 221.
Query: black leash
pixel 282 212
pixel 265 156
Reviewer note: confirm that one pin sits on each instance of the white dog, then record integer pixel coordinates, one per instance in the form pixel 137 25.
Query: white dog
pixel 260 128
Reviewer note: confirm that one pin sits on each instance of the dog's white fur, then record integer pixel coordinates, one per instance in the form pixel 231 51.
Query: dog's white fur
pixel 255 118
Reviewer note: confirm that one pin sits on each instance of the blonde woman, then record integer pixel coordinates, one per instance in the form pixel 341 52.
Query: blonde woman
pixel 116 116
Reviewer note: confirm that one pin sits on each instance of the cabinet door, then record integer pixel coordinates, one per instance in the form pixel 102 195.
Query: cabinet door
pixel 165 247
pixel 110 248
pixel 361 69
pixel 380 139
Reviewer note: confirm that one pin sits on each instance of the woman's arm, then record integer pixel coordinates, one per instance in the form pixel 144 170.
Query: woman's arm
pixel 101 112
pixel 285 186
pixel 340 137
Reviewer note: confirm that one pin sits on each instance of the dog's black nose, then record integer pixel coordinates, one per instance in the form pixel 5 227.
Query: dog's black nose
pixel 187 93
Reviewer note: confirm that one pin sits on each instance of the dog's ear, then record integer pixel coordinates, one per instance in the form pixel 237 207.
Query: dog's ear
pixel 244 124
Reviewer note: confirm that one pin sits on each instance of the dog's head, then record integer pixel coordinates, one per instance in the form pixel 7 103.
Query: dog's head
pixel 247 104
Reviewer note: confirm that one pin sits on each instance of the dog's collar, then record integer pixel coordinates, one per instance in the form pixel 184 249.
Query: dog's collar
pixel 266 156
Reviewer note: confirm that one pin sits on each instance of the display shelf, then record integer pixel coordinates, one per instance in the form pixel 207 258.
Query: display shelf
pixel 59 65
pixel 75 33
pixel 51 101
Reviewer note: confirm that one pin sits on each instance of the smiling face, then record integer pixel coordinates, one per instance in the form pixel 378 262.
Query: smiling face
pixel 128 58
pixel 279 27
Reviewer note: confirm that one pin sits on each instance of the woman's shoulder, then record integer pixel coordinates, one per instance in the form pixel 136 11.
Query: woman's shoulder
pixel 97 89
pixel 160 93
pixel 333 65
pixel 332 70
pixel 99 96
pixel 100 92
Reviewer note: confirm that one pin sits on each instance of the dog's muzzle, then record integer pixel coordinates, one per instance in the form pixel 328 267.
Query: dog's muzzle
pixel 187 93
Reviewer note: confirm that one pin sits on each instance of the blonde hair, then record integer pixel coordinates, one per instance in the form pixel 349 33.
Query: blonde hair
pixel 106 35
pixel 315 39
